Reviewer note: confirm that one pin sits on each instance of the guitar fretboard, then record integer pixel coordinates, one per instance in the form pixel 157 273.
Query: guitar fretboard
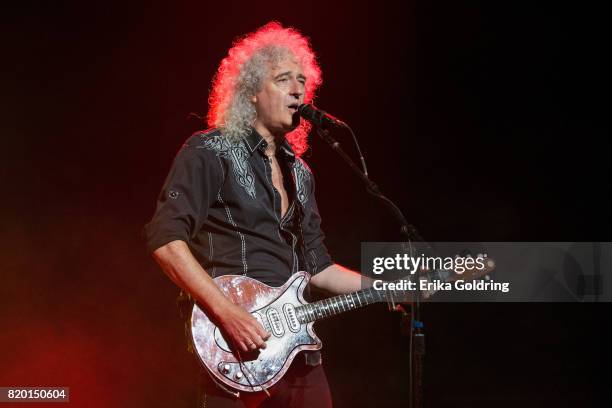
pixel 350 301
pixel 338 304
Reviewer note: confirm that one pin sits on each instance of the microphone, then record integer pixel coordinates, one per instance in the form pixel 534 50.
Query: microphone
pixel 318 117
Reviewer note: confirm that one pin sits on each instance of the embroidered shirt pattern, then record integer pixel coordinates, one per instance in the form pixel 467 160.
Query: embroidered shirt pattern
pixel 239 156
pixel 302 178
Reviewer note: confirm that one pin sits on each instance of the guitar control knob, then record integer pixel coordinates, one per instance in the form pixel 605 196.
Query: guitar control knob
pixel 226 369
pixel 238 376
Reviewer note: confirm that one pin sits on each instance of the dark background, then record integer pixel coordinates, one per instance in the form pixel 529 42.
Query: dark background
pixel 482 121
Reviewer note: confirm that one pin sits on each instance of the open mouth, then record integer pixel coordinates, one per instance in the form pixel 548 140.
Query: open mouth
pixel 293 107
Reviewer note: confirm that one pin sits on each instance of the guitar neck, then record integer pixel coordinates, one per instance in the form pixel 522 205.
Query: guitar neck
pixel 332 306
pixel 343 303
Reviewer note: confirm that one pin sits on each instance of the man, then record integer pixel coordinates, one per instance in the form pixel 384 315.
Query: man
pixel 240 200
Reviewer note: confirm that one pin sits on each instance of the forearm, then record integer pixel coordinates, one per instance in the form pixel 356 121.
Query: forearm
pixel 337 279
pixel 242 329
pixel 177 261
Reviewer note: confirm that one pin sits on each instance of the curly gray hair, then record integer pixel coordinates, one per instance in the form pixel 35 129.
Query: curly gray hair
pixel 241 74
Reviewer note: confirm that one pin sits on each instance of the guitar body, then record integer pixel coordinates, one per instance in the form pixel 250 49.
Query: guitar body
pixel 275 309
pixel 285 314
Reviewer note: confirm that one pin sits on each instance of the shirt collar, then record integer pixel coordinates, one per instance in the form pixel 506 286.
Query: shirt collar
pixel 285 147
pixel 254 141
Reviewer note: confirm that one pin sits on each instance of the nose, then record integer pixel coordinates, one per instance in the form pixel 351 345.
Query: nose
pixel 296 89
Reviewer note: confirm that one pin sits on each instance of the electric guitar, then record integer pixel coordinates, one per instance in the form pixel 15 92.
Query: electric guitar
pixel 285 314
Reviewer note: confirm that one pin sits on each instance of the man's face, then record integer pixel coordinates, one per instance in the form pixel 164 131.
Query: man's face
pixel 281 93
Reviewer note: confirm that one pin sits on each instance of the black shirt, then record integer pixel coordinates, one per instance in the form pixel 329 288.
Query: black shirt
pixel 219 198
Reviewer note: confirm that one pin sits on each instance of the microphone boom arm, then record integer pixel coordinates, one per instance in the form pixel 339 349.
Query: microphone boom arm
pixel 408 230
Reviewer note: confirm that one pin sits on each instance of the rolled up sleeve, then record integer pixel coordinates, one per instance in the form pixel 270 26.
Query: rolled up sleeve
pixel 188 192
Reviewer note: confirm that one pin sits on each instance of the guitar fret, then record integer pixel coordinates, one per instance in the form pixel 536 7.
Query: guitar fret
pixel 359 300
pixel 311 312
pixel 372 295
pixel 370 298
pixel 381 295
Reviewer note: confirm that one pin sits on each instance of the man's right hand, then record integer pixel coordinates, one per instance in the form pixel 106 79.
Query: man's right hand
pixel 241 329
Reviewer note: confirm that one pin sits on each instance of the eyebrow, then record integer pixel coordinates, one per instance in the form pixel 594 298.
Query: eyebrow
pixel 286 73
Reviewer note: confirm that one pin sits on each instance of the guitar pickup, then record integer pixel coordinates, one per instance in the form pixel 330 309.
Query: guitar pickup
pixel 261 321
pixel 289 311
pixel 275 321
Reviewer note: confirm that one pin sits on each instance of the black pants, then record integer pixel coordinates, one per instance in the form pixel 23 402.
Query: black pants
pixel 303 386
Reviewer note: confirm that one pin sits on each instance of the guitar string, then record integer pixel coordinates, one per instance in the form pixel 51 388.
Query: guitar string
pixel 346 305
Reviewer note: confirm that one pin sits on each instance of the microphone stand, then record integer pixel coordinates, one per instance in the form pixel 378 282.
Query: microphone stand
pixel 411 322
